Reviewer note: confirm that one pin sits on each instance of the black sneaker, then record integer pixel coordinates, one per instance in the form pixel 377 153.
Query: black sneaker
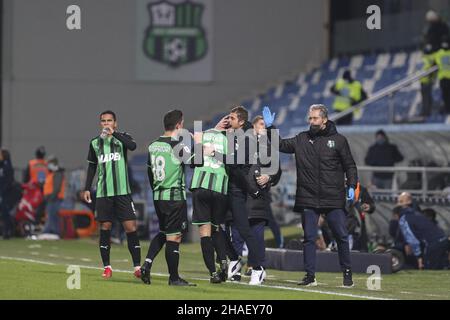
pixel 223 271
pixel 348 281
pixel 308 281
pixel 145 273
pixel 215 278
pixel 236 277
pixel 181 282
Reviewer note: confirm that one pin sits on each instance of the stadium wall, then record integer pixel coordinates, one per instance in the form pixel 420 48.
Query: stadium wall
pixel 57 81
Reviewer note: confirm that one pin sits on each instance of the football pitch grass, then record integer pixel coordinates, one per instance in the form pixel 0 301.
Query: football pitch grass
pixel 39 270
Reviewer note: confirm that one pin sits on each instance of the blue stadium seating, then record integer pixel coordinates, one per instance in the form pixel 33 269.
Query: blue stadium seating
pixel 374 71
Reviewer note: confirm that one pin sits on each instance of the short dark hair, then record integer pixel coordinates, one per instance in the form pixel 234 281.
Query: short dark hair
pixel 397 210
pixel 347 75
pixel 381 132
pixel 40 152
pixel 241 112
pixel 5 154
pixel 171 119
pixel 108 112
pixel 430 213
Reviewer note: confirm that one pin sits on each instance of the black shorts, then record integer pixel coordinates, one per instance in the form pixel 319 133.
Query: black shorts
pixel 172 216
pixel 109 209
pixel 209 207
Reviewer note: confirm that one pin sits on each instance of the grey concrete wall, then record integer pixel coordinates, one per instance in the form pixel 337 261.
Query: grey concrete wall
pixel 57 81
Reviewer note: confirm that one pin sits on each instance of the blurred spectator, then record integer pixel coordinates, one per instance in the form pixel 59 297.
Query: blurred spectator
pixel 383 154
pixel 435 30
pixel 54 190
pixel 399 242
pixel 6 187
pixel 443 62
pixel 36 170
pixel 134 184
pixel 356 219
pixel 349 92
pixel 430 214
pixel 428 59
pixel 425 240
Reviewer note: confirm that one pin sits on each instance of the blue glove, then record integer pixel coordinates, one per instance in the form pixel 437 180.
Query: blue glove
pixel 351 194
pixel 269 118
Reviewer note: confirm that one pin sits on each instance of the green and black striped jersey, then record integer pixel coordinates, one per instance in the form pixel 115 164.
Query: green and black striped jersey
pixel 166 170
pixel 110 156
pixel 212 175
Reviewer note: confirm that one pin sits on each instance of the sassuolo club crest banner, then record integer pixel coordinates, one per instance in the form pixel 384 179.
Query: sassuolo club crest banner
pixel 174 40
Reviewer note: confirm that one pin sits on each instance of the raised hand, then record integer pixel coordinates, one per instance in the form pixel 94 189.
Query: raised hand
pixel 268 116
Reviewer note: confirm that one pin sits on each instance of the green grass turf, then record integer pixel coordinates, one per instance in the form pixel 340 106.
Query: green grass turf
pixel 31 280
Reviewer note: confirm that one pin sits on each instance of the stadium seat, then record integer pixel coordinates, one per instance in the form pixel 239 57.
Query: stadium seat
pixel 376 71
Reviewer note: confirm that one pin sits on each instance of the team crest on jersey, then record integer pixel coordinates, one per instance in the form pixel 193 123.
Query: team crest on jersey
pixel 331 144
pixel 175 35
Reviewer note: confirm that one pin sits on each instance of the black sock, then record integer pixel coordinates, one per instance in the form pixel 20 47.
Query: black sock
pixel 134 247
pixel 105 246
pixel 155 247
pixel 208 253
pixel 172 258
pixel 218 238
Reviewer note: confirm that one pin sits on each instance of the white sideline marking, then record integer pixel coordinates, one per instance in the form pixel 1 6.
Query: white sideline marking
pixel 245 284
pixel 28 260
pixel 329 293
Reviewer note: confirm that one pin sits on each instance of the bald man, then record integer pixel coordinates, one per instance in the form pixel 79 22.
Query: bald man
pixel 405 200
pixel 428 242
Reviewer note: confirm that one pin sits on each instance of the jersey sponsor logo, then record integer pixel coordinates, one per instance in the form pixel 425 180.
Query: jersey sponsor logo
pixel 103 158
pixel 175 35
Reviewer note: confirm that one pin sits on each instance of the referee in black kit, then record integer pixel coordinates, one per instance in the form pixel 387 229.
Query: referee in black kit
pixel 323 161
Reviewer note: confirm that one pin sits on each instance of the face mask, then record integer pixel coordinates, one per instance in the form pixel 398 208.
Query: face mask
pixel 315 129
pixel 381 141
